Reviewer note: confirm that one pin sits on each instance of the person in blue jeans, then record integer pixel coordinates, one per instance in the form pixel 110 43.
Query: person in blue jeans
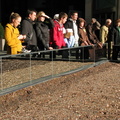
pixel 69 38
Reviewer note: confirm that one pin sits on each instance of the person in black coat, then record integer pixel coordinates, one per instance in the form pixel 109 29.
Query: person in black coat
pixel 42 26
pixel 115 38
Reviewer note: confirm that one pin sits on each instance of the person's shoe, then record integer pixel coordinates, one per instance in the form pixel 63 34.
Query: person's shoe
pixel 25 50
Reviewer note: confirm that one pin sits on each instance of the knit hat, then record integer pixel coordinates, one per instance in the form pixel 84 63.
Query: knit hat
pixel 56 16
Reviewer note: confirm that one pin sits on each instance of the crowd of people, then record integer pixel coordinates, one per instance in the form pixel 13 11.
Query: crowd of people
pixel 38 31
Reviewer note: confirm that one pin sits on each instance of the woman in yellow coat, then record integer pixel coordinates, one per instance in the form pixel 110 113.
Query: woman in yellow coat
pixel 12 35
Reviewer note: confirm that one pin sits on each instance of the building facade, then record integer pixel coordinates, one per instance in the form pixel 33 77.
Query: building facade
pixel 102 9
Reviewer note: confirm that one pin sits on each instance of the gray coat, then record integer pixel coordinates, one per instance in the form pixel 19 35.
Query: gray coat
pixel 28 30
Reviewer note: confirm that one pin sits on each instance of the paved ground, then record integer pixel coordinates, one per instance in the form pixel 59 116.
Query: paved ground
pixel 92 94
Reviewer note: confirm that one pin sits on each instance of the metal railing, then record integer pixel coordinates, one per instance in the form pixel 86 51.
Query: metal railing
pixel 26 69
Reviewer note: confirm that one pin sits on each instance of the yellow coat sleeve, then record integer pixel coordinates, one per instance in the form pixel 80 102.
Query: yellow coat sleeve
pixel 11 35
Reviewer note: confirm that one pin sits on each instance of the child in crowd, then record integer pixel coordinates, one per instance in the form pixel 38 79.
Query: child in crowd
pixel 69 38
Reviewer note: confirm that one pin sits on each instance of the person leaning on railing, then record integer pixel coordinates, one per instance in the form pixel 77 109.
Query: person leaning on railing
pixel 83 39
pixel 91 29
pixel 57 34
pixel 43 24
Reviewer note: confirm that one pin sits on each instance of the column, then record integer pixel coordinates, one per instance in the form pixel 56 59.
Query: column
pixel 88 10
pixel 118 9
pixel 0 11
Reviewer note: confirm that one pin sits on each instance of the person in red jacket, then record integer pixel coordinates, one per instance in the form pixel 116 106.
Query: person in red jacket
pixel 57 33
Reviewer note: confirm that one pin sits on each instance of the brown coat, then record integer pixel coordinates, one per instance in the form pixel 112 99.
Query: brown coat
pixel 92 36
pixel 83 38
